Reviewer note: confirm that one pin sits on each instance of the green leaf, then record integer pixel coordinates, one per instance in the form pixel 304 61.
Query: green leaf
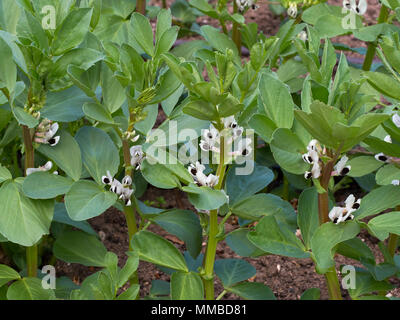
pixel 99 153
pixel 218 40
pixel 326 237
pixel 311 294
pixel 263 126
pixel 65 106
pixel 86 200
pixel 113 92
pixel 277 101
pixel 387 174
pixel 237 240
pixel 263 204
pixel 4 174
pixel 378 200
pixel 367 284
pixel 307 214
pixel 97 112
pixel 232 271
pixel 277 238
pixel 287 149
pixel 24 221
pixel 8 69
pixel 29 289
pixel 384 224
pixel 201 109
pixel 7 274
pixel 155 249
pixel 127 271
pixel 45 185
pixel 61 216
pixel 61 155
pixel 355 249
pixel 130 294
pixel 72 30
pixel 205 198
pixel 252 291
pixel 24 118
pixel 159 176
pixel 240 187
pixel 185 225
pixel 143 33
pixel 384 83
pixel 35 31
pixel 186 286
pixel 361 166
pixel 80 247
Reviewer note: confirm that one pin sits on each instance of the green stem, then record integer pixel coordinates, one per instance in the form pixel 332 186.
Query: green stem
pixel 130 212
pixel 285 191
pixel 331 277
pixel 392 243
pixel 31 252
pixel 32 260
pixel 141 6
pixel 236 37
pixel 369 57
pixel 221 295
pixel 164 4
pixel 333 284
pixel 213 232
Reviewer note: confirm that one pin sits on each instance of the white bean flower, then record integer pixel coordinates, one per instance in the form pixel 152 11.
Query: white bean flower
pixel 312 157
pixel 127 181
pixel 126 195
pixel 343 214
pixel 382 157
pixel 292 10
pixel 197 173
pixel 395 182
pixel 243 4
pixel 46 167
pixel 46 133
pixel 302 35
pixel 107 179
pixel 137 156
pixel 388 139
pixel 358 8
pixel 340 168
pixel 396 120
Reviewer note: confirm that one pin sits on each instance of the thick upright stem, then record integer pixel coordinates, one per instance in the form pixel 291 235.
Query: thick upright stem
pixel 141 6
pixel 236 36
pixel 331 277
pixel 31 252
pixel 213 232
pixel 129 211
pixel 393 243
pixel 369 57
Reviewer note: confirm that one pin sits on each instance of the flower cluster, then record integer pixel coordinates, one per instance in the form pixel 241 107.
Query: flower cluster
pixel 197 172
pixel 122 189
pixel 130 135
pixel 292 10
pixel 313 157
pixel 388 139
pixel 137 156
pixel 358 8
pixel 46 167
pixel 211 138
pixel 342 214
pixel 46 131
pixel 244 4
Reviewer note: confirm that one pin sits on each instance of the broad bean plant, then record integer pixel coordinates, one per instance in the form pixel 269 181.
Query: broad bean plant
pixel 281 143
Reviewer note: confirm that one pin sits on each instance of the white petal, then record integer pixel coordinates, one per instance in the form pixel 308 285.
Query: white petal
pixel 388 139
pixel 396 120
pixel 31 170
pixel 316 170
pixel 362 7
pixel 127 180
pixel 396 182
pixel 341 164
pixel 48 165
pixel 55 142
pixel 349 202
